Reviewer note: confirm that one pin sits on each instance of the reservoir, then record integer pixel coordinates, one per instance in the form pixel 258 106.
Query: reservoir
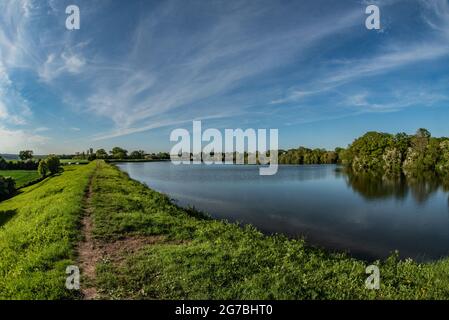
pixel 367 217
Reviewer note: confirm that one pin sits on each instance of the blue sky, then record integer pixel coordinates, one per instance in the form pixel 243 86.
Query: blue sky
pixel 138 69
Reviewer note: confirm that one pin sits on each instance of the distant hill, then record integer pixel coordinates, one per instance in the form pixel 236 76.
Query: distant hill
pixel 9 156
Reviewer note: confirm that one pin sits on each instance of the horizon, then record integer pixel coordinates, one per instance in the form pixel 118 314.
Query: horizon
pixel 135 71
pixel 168 151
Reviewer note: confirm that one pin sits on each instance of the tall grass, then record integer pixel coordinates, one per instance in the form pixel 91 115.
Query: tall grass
pixel 38 232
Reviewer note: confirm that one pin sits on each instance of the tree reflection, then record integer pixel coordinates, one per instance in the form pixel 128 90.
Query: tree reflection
pixel 378 185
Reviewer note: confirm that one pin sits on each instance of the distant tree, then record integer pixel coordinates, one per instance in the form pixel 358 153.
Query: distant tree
pixel 139 154
pixel 42 169
pixel 3 164
pixel 53 164
pixel 26 155
pixel 119 153
pixel 101 154
pixel 421 139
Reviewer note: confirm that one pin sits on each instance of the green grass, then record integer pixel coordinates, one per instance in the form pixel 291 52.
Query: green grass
pixel 22 177
pixel 201 258
pixel 38 231
pixel 194 257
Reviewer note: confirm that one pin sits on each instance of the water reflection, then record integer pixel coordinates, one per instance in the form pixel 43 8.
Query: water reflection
pixel 375 186
pixel 368 215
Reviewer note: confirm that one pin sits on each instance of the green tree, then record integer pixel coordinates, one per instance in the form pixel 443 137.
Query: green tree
pixel 118 153
pixel 139 154
pixel 53 164
pixel 3 164
pixel 101 154
pixel 42 169
pixel 25 155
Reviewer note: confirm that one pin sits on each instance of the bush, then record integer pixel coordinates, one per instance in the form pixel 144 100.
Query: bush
pixel 43 168
pixel 53 164
pixel 7 187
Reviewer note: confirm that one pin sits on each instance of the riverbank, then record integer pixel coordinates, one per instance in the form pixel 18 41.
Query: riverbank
pixel 148 248
pixel 195 258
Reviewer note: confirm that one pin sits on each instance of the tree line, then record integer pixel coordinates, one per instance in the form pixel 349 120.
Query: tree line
pixel 409 154
pixel 118 154
pixel 304 155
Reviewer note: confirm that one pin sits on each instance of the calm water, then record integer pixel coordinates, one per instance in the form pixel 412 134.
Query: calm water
pixel 367 217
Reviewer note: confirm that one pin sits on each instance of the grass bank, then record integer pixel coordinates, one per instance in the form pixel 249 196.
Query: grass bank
pixel 153 249
pixel 192 257
pixel 22 177
pixel 38 232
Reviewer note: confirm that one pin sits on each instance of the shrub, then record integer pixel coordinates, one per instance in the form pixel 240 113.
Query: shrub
pixel 53 164
pixel 43 168
pixel 7 187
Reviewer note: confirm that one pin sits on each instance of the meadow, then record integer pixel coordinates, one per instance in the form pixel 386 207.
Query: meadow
pixel 153 249
pixel 22 177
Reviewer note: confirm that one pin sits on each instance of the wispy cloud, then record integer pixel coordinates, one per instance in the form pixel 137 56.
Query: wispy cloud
pixel 12 139
pixel 166 63
pixel 219 60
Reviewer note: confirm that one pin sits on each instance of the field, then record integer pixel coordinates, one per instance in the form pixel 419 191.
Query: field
pixel 145 247
pixel 22 177
pixel 72 161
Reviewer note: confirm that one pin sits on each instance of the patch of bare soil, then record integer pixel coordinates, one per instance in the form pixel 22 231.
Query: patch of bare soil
pixel 92 251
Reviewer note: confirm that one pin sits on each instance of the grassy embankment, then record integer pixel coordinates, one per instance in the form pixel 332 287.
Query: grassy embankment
pixel 22 177
pixel 38 232
pixel 189 256
pixel 198 258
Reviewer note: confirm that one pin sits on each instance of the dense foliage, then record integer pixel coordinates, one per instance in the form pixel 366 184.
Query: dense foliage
pixel 304 155
pixel 43 169
pixel 50 165
pixel 53 164
pixel 411 154
pixel 18 165
pixel 7 187
pixel 26 155
pixel 118 153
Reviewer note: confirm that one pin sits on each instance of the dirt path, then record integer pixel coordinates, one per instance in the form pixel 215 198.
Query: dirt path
pixel 89 252
pixel 92 251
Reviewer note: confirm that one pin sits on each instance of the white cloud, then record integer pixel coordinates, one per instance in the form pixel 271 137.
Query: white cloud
pixel 214 62
pixel 13 140
pixel 10 97
pixel 41 129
